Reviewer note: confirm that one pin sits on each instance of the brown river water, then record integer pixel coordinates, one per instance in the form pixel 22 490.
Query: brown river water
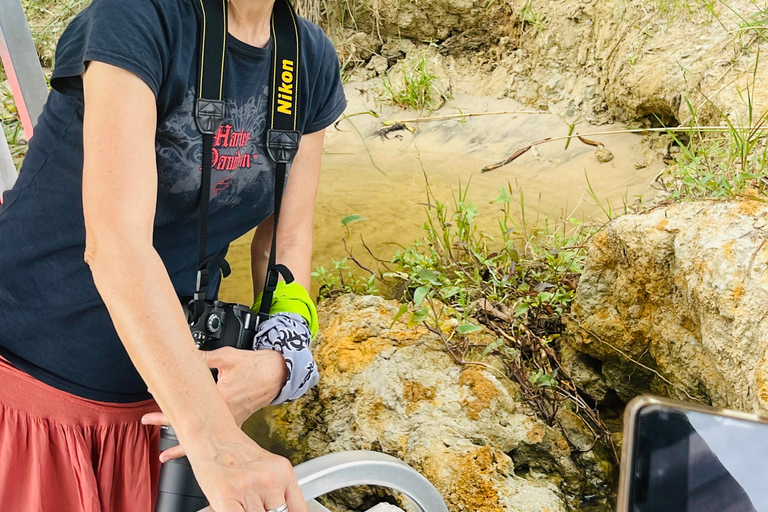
pixel 391 198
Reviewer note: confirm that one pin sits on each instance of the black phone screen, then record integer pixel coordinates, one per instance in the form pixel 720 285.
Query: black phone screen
pixel 689 461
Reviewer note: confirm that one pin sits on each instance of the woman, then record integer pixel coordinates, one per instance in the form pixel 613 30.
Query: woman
pixel 99 241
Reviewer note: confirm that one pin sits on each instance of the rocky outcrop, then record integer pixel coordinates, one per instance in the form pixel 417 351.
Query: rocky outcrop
pixel 391 388
pixel 599 60
pixel 674 302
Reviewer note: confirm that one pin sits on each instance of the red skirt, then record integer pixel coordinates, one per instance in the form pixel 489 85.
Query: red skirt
pixel 62 453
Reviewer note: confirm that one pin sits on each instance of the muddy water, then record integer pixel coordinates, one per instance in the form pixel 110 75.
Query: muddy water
pixel 391 197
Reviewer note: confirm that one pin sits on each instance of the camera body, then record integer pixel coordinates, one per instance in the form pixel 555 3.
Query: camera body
pixel 222 324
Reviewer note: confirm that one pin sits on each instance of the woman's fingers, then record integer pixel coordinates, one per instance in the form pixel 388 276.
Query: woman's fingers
pixel 294 498
pixel 155 418
pixel 176 452
pixel 224 357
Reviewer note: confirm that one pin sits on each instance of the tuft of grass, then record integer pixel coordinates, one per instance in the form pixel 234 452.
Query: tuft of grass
pixel 417 89
pixel 721 166
pixel 47 20
pixel 11 126
pixel 530 16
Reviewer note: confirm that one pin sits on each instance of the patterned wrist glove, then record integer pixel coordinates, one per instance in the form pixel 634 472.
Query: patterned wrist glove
pixel 289 334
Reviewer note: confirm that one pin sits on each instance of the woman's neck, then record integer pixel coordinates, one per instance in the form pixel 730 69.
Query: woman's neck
pixel 249 21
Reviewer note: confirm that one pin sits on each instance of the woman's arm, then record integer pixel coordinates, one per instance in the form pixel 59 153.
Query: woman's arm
pixel 119 197
pixel 294 232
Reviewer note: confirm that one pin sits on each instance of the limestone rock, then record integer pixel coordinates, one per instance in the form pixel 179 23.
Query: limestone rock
pixel 387 387
pixel 674 302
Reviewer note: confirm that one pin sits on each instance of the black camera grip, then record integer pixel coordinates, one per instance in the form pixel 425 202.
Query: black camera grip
pixel 177 490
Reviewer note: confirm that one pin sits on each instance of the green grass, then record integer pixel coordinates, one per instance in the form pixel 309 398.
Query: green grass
pixel 416 88
pixel 531 16
pixel 722 166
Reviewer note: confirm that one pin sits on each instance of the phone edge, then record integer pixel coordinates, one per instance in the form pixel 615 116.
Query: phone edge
pixel 628 441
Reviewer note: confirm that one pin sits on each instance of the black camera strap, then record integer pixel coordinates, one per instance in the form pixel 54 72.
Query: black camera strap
pixel 282 136
pixel 282 141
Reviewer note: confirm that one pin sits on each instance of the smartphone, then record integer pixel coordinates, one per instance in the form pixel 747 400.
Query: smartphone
pixel 680 457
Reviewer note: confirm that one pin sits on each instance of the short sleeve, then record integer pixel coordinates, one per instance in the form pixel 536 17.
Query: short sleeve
pixel 131 35
pixel 328 100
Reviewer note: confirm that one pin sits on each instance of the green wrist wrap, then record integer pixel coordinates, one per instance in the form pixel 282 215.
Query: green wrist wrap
pixel 292 298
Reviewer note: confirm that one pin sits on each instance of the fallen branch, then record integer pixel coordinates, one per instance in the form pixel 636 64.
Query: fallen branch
pixel 701 129
pixel 460 116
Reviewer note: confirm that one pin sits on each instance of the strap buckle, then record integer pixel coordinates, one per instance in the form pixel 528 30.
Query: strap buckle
pixel 209 114
pixel 202 282
pixel 273 276
pixel 282 145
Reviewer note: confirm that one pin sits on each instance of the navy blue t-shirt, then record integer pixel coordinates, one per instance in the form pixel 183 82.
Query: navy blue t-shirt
pixel 53 322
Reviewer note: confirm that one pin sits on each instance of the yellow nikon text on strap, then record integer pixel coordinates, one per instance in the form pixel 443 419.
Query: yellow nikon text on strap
pixel 285 91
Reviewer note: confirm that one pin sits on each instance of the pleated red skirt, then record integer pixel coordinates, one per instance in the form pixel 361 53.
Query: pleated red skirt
pixel 62 453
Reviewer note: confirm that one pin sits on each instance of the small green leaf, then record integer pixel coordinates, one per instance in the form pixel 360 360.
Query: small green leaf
pixel 349 219
pixel 418 316
pixel 400 312
pixel 428 275
pixel 419 295
pixel 493 346
pixel 468 328
pixel 449 292
pixel 522 309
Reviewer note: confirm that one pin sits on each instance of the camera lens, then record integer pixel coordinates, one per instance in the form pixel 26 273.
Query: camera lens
pixel 213 324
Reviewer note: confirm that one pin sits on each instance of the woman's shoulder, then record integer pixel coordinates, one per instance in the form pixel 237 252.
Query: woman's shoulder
pixel 137 35
pixel 313 38
pixel 143 10
pixel 316 47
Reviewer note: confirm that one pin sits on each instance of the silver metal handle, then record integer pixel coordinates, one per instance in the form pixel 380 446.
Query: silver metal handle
pixel 345 469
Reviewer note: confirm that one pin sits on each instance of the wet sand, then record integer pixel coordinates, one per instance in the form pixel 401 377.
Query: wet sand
pixel 451 151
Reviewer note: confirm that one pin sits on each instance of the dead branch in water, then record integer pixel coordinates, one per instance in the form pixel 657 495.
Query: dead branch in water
pixel 514 156
pixel 702 129
pixel 460 116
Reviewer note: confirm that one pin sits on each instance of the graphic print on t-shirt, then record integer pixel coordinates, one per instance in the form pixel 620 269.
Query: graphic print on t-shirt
pixel 238 152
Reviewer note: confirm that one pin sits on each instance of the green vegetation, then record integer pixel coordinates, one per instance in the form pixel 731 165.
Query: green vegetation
pixel 11 127
pixel 530 16
pixel 415 89
pixel 47 20
pixel 513 285
pixel 730 164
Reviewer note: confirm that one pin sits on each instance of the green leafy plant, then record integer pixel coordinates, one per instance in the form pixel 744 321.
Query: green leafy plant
pixel 417 88
pixel 498 294
pixel 727 165
pixel 341 278
pixel 530 16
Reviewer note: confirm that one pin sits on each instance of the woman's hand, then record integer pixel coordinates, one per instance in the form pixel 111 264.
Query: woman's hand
pixel 237 475
pixel 248 380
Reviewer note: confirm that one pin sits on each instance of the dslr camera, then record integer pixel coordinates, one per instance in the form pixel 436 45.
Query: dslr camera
pixel 222 324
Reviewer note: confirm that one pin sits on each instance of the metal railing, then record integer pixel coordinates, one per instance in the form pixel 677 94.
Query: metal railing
pixel 346 469
pixel 25 78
